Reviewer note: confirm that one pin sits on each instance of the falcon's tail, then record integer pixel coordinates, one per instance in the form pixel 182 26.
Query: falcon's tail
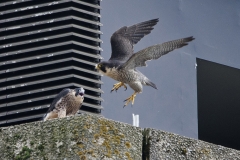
pixel 43 117
pixel 149 83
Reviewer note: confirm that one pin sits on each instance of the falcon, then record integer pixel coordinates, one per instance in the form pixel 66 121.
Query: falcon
pixel 123 61
pixel 66 103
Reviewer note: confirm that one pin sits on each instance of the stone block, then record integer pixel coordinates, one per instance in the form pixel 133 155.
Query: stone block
pixel 84 137
pixel 168 146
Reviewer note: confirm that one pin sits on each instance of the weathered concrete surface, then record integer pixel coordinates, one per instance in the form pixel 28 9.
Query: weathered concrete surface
pixel 83 137
pixel 169 146
pixel 88 137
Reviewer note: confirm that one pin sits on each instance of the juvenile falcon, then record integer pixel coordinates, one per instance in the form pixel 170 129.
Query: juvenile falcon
pixel 66 103
pixel 122 64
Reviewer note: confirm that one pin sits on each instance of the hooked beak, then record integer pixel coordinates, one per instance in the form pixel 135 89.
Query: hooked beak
pixel 97 67
pixel 80 92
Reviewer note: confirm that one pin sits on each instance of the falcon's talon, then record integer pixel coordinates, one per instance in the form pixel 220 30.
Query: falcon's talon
pixel 129 99
pixel 118 85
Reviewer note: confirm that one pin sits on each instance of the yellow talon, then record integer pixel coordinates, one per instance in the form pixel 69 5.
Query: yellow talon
pixel 129 99
pixel 118 85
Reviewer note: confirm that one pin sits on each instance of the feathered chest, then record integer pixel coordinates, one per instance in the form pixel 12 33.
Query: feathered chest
pixel 113 73
pixel 71 103
pixel 121 74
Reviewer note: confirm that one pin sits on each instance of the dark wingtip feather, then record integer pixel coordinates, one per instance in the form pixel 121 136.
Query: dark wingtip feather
pixel 149 23
pixel 155 20
pixel 185 41
pixel 188 39
pixel 152 20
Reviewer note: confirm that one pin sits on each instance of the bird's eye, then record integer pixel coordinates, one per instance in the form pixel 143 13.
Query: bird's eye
pixel 99 65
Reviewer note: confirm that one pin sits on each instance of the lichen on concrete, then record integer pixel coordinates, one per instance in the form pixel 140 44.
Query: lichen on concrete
pixel 83 137
pixel 88 137
pixel 165 145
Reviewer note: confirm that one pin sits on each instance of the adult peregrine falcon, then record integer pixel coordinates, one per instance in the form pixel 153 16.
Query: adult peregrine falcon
pixel 66 103
pixel 122 64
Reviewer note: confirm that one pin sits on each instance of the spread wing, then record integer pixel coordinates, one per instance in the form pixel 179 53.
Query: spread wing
pixel 122 40
pixel 154 52
pixel 63 93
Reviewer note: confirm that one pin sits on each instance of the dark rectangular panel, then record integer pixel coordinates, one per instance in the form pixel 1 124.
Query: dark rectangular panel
pixel 218 89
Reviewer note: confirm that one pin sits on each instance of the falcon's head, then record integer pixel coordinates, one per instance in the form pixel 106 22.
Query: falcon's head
pixel 106 67
pixel 102 67
pixel 79 92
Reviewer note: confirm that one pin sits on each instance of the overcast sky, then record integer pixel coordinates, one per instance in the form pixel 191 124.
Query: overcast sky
pixel 173 107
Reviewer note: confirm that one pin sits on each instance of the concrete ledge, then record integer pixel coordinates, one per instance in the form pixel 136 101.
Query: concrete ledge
pixel 164 145
pixel 83 137
pixel 89 137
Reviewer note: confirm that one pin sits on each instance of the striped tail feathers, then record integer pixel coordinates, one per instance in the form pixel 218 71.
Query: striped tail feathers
pixel 149 83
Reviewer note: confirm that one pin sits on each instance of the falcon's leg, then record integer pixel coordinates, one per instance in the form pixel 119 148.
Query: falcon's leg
pixel 62 113
pixel 118 85
pixel 51 115
pixel 129 99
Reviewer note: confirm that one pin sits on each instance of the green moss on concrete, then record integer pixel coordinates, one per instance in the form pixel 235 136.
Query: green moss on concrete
pixel 40 147
pixel 24 154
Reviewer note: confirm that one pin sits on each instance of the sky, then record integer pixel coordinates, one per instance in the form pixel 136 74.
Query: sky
pixel 173 107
